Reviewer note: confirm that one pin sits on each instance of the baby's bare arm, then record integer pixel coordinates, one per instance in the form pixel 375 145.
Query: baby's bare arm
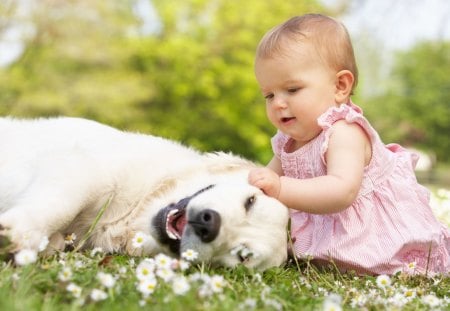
pixel 347 155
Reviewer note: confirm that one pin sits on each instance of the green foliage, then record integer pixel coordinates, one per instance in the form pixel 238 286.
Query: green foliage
pixel 415 110
pixel 73 64
pixel 201 68
pixel 191 81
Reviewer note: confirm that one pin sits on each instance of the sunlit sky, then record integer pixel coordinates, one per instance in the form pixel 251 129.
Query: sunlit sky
pixel 401 23
pixel 392 24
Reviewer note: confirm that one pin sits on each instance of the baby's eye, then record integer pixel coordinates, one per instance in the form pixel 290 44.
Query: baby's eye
pixel 268 96
pixel 293 89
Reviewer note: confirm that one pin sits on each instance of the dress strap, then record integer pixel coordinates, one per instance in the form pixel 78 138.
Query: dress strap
pixel 278 141
pixel 349 112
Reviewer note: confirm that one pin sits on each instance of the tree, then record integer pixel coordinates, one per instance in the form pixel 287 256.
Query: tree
pixel 191 81
pixel 201 67
pixel 415 110
pixel 73 63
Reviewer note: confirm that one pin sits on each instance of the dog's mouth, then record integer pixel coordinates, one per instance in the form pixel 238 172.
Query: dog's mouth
pixel 169 224
pixel 175 223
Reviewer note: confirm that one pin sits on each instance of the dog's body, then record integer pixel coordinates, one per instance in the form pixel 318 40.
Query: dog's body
pixel 58 175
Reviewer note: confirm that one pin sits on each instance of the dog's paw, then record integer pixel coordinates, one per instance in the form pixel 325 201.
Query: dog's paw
pixel 23 230
pixel 20 251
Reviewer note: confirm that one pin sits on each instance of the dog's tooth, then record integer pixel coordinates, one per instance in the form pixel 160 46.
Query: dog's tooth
pixel 171 235
pixel 171 212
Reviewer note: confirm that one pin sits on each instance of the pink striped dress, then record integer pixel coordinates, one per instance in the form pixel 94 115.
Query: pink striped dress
pixel 390 226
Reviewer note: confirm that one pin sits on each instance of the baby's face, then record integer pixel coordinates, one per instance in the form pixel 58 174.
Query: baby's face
pixel 298 88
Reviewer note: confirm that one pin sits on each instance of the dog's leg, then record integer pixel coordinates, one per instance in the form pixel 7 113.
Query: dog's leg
pixel 45 207
pixel 52 190
pixel 28 224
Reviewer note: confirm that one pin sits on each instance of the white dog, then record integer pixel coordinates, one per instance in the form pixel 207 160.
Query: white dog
pixel 66 175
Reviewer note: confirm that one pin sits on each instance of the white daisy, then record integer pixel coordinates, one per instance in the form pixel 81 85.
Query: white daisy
pixel 106 279
pixel 189 255
pixel 248 304
pixel 205 291
pixel 25 257
pixel 183 265
pixel 383 281
pixel 132 262
pixel 217 283
pixel 431 300
pixel 273 304
pixel 197 276
pixel 122 271
pixel 142 303
pixel 180 285
pixel 398 300
pixel 79 264
pixel 358 301
pixel 329 305
pixel 74 289
pixel 96 251
pixel 165 273
pixel 409 293
pixel 65 274
pixel 98 295
pixel 410 267
pixel 163 261
pixel 257 278
pixel 70 239
pixel 15 277
pixel 139 239
pixel 145 269
pixel 334 298
pixel 147 286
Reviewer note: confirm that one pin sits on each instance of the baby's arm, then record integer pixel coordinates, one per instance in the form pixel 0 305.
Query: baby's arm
pixel 347 155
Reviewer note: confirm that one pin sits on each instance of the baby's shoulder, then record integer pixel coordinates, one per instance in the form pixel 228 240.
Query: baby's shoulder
pixel 348 130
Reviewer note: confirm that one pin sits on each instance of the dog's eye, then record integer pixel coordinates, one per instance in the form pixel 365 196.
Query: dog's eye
pixel 250 202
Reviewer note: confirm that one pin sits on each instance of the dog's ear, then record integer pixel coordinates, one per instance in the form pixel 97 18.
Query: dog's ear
pixel 182 203
pixel 185 201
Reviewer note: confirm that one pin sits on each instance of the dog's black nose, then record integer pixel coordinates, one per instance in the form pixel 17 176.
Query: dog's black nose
pixel 206 225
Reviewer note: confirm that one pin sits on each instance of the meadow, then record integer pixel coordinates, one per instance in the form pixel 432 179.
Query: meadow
pixel 97 281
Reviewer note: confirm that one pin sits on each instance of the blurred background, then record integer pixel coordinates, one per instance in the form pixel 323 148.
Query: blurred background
pixel 183 69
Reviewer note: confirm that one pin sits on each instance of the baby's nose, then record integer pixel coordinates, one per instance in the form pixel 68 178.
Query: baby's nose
pixel 279 102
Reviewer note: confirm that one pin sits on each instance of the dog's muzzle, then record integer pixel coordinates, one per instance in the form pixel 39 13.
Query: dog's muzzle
pixel 206 224
pixel 171 221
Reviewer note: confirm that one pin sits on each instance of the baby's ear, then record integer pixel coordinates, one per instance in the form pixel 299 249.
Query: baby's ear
pixel 344 85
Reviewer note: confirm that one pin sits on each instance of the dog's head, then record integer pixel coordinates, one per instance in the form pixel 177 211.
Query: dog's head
pixel 227 223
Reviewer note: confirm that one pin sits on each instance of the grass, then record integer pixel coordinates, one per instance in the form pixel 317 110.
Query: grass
pixel 44 286
pixel 97 281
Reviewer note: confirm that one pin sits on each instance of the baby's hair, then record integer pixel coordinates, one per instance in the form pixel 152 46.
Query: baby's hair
pixel 329 37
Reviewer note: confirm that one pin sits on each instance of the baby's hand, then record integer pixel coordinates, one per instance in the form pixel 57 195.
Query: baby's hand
pixel 265 179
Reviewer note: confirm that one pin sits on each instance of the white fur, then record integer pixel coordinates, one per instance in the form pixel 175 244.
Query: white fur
pixel 57 174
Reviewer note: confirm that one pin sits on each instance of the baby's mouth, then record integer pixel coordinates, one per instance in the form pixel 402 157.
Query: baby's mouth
pixel 287 119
